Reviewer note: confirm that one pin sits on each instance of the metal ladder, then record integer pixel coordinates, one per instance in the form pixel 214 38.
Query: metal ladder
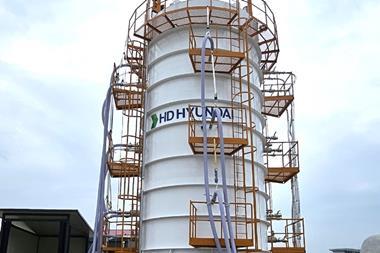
pixel 241 214
pixel 128 201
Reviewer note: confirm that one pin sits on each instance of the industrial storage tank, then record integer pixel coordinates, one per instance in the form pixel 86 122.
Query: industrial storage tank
pixel 173 175
pixel 371 244
pixel 193 165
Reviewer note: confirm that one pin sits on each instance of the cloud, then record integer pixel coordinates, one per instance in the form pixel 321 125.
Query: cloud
pixel 49 153
pixel 332 48
pixel 55 62
pixel 80 41
pixel 17 16
pixel 343 191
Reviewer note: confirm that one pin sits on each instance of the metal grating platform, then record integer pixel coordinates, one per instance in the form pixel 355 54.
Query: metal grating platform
pixel 282 161
pixel 120 169
pixel 278 92
pixel 127 96
pixel 234 133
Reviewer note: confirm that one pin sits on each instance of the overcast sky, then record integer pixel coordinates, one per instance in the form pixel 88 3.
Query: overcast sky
pixel 55 61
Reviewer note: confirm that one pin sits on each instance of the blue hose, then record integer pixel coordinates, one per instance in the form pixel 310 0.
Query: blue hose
pixel 224 180
pixel 222 198
pixel 204 126
pixel 96 246
pixel 223 219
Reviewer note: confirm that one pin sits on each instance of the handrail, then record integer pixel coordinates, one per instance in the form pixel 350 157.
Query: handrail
pixel 278 84
pixel 142 22
pixel 115 149
pixel 142 19
pixel 287 234
pixel 287 151
pixel 242 124
pixel 195 218
pixel 123 75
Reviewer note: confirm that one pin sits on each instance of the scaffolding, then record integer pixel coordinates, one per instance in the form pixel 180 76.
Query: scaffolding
pixel 199 226
pixel 232 143
pixel 278 92
pixel 121 222
pixel 152 18
pixel 233 26
pixel 232 55
pixel 119 163
pixel 284 237
pixel 227 52
pixel 281 158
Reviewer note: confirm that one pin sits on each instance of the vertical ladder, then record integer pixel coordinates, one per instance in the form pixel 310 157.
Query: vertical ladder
pixel 122 227
pixel 131 186
pixel 238 121
pixel 240 126
pixel 249 151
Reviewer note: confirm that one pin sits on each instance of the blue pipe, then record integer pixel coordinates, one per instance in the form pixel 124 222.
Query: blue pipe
pixel 224 180
pixel 205 158
pixel 228 236
pixel 223 219
pixel 96 246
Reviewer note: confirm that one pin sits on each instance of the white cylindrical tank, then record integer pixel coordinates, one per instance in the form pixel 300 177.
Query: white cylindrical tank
pixel 172 174
pixel 371 245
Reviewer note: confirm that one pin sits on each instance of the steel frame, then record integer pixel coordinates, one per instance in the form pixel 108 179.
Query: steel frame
pixel 285 239
pixel 196 219
pixel 282 161
pixel 119 163
pixel 127 87
pixel 148 21
pixel 278 92
pixel 227 48
pixel 121 226
pixel 153 17
pixel 232 144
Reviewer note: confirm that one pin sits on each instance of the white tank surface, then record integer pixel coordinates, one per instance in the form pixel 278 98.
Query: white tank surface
pixel 172 174
pixel 371 244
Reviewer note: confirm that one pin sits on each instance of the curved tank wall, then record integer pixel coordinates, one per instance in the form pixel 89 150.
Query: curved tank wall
pixel 172 174
pixel 371 244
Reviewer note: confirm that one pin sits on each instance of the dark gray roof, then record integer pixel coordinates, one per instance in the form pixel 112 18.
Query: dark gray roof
pixel 39 220
pixel 345 250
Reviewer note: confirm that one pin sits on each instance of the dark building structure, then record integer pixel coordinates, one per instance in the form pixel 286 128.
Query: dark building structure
pixel 43 231
pixel 345 250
